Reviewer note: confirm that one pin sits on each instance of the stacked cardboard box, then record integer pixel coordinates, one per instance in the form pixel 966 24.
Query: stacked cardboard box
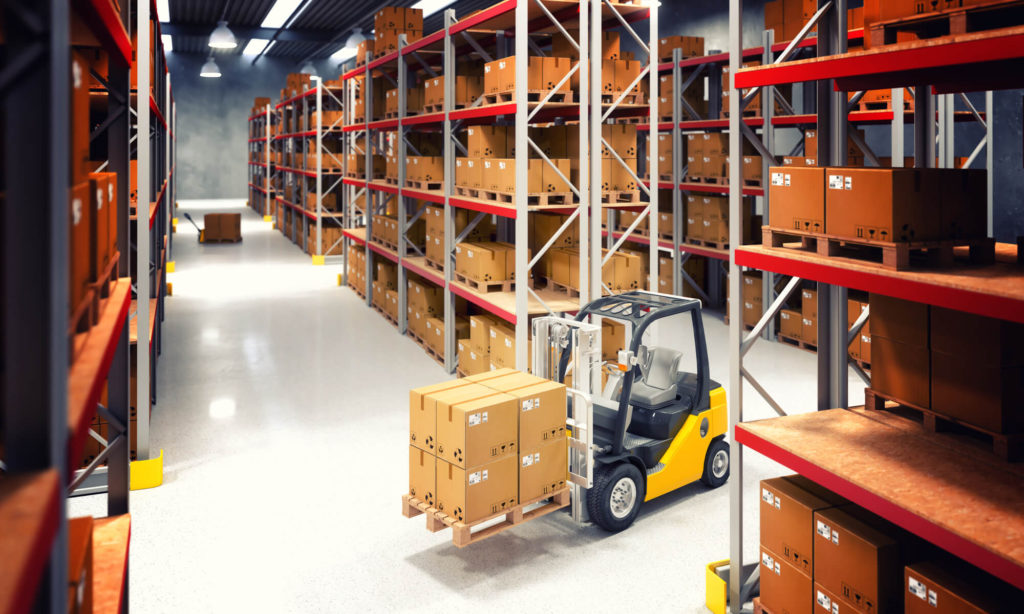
pixel 622 139
pixel 357 267
pixel 691 47
pixel 693 95
pixel 544 73
pixel 787 17
pixel 707 156
pixel 486 261
pixel 434 231
pixel 390 22
pixel 860 347
pixel 944 585
pixel 490 165
pixel 471 467
pixel 222 227
pixel 413 100
pixel 622 273
pixel 330 237
pixel 707 219
pixel 695 266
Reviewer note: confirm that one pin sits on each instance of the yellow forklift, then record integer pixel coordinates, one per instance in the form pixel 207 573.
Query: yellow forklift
pixel 652 428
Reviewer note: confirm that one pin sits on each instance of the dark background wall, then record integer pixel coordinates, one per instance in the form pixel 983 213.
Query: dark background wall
pixel 212 113
pixel 213 117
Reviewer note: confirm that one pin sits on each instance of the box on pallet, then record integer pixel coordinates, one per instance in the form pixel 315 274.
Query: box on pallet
pixel 471 361
pixel 475 432
pixel 857 560
pixel 798 198
pixel 422 475
pixel 472 494
pixel 690 46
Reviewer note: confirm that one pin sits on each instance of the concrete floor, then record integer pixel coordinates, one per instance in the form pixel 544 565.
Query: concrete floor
pixel 282 413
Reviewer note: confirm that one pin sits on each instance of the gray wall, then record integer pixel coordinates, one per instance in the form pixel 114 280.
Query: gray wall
pixel 213 119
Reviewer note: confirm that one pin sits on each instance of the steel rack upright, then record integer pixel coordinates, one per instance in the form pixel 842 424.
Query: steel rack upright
pixel 260 163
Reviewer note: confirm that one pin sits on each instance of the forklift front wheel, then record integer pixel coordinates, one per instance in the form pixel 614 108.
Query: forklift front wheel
pixel 614 501
pixel 716 464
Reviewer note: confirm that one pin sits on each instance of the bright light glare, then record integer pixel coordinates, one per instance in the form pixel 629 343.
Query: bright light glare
pixel 222 408
pixel 162 11
pixel 343 55
pixel 431 6
pixel 211 334
pixel 168 43
pixel 279 13
pixel 255 46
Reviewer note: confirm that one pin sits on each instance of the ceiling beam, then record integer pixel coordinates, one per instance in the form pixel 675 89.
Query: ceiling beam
pixel 247 32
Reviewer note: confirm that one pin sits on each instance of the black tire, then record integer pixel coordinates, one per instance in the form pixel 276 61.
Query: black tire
pixel 716 470
pixel 618 515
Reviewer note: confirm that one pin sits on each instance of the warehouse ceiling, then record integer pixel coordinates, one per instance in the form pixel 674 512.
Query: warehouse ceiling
pixel 313 29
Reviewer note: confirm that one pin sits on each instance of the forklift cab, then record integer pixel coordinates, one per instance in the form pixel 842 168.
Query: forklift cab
pixel 655 428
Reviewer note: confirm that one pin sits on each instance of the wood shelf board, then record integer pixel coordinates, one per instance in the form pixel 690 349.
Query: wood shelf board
pixel 974 510
pixel 133 326
pixel 995 290
pixel 110 543
pixel 29 514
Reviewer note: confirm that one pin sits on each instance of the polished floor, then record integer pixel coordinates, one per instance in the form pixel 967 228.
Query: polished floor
pixel 282 414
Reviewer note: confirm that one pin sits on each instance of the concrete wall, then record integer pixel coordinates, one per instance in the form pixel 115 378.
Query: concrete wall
pixel 212 119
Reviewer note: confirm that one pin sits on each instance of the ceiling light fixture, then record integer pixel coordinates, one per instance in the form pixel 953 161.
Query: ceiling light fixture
pixel 279 13
pixel 430 7
pixel 222 38
pixel 308 68
pixel 168 42
pixel 210 69
pixel 255 46
pixel 343 55
pixel 355 38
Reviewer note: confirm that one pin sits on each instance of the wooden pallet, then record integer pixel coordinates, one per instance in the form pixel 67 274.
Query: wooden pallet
pixel 386 315
pixel 724 181
pixel 610 98
pixel 238 240
pixel 423 185
pixel 531 96
pixel 383 243
pixel 797 343
pixel 437 266
pixel 751 111
pixel 486 286
pixel 620 196
pixel 948 22
pixel 463 534
pixel 639 232
pixel 391 115
pixel 891 255
pixel 537 199
pixel 750 183
pixel 391 180
pixel 433 108
pixel 355 175
pixel 467 192
pixel 561 288
pixel 759 608
pixel 703 243
pixel 633 119
pixel 1007 446
pixel 431 352
pixel 358 292
pixel 881 105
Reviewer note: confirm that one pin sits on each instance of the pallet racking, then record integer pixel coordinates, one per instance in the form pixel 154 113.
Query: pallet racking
pixel 854 453
pixel 260 162
pixel 486 33
pixel 311 133
pixel 52 393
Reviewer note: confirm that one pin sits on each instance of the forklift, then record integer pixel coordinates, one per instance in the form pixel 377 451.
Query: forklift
pixel 652 428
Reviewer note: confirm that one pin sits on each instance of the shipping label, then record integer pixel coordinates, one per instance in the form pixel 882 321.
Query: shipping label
pixel 917 588
pixel 824 530
pixel 824 601
pixel 835 182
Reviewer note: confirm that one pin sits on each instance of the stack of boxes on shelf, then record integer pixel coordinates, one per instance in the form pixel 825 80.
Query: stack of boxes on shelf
pixel 390 22
pixel 798 324
pixel 952 366
pixel 787 17
pixel 434 232
pixel 489 171
pixel 821 553
pixel 357 268
pixel 482 445
pixel 559 267
pixel 385 288
pixel 707 220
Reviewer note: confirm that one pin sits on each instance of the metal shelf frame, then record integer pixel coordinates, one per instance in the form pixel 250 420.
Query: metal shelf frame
pixel 593 17
pixel 934 134
pixel 260 148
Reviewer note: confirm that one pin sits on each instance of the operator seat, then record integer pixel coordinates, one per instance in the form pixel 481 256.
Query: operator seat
pixel 658 387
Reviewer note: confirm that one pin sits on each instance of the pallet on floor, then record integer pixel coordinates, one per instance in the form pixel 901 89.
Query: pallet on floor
pixel 463 534
pixel 1007 446
pixel 538 199
pixel 423 185
pixel 484 287
pixel 990 16
pixel 891 255
pixel 238 240
pixel 798 343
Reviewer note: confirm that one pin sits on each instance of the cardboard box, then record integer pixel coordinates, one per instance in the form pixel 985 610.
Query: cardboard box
pixel 80 565
pixel 827 602
pixel 480 332
pixel 691 47
pixel 423 412
pixel 500 75
pixel 753 169
pixel 809 303
pixel 469 495
pixel 541 406
pixel 480 263
pixel 900 370
pixel 881 204
pixel 784 588
pixel 422 475
pixel 798 198
pixel 856 561
pixel 502 347
pixel 987 341
pixel 487 141
pixel 467 90
pixel 963 198
pixel 907 322
pixel 694 217
pixel 809 331
pixel 471 362
pixel 80 125
pixel 787 519
pixel 791 324
pixel 80 213
pixel 948 587
pixel 983 395
pixel 543 470
pixel 398 18
pixel 613 338
pixel 472 433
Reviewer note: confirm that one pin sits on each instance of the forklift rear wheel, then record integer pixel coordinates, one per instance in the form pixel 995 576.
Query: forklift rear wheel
pixel 614 501
pixel 716 464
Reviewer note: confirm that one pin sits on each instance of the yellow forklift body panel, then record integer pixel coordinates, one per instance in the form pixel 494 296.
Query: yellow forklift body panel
pixel 684 460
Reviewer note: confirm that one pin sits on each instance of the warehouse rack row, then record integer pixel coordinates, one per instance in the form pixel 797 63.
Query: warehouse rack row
pixel 260 163
pixel 880 460
pixel 388 136
pixel 67 426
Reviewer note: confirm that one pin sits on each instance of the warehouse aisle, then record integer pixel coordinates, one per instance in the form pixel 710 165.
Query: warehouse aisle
pixel 283 418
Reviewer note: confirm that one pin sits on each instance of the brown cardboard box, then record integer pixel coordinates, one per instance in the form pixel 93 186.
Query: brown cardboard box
pixel 784 588
pixel 80 213
pixel 613 338
pixel 753 169
pixel 502 348
pixel 787 519
pixel 467 172
pixel 987 341
pixel 471 362
pixel 479 262
pixel 774 19
pixel 541 407
pixel 856 561
pixel 422 475
pixel 102 188
pixel 900 370
pixel 553 70
pixel 543 470
pixel 473 494
pixel 691 46
pixel 480 332
pixel 80 124
pixel 694 217
pixel 487 141
pixel 791 324
pixel 80 565
pixel 984 395
pixel 809 303
pixel 472 433
pixel 827 602
pixel 468 89
pixel 423 413
pixel 881 204
pixel 948 587
pixel 798 198
pixel 963 198
pixel 433 91
pixel 865 344
pixel 500 75
pixel 809 332
pixel 425 169
pixel 898 320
